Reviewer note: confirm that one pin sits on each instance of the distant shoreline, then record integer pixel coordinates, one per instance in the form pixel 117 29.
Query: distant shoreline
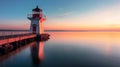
pixel 71 30
pixel 14 30
pixel 82 30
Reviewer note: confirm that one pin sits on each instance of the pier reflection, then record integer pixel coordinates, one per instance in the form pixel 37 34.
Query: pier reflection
pixel 11 55
pixel 36 50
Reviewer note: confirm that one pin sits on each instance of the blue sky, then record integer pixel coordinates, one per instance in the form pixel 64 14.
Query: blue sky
pixel 72 13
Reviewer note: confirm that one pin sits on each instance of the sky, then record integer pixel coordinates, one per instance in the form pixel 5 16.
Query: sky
pixel 62 14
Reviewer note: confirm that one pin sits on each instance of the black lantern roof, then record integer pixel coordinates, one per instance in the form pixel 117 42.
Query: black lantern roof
pixel 37 9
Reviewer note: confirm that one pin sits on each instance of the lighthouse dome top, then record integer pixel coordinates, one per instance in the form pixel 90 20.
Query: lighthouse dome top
pixel 37 9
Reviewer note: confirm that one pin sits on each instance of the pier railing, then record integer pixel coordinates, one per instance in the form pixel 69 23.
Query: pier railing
pixel 4 35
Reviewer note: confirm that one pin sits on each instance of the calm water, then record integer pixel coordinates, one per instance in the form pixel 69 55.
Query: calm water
pixel 68 49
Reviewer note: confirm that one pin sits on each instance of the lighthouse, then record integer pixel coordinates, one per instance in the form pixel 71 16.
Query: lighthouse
pixel 37 19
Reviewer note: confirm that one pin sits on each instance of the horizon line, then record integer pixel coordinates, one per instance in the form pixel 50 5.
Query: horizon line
pixel 106 30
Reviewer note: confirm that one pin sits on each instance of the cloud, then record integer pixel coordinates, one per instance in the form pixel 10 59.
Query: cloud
pixel 99 18
pixel 65 14
pixel 106 15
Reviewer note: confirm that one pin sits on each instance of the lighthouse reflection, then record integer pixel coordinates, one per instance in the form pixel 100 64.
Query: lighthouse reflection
pixel 41 51
pixel 37 52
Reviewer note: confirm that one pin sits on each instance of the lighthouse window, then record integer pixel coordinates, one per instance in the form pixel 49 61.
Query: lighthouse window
pixel 36 12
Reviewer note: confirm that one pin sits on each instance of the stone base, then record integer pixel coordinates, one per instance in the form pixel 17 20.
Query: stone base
pixel 42 37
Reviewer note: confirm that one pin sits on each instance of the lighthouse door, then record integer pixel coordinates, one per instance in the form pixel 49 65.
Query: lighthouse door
pixel 34 28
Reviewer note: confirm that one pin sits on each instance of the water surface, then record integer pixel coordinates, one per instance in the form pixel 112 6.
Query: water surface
pixel 68 49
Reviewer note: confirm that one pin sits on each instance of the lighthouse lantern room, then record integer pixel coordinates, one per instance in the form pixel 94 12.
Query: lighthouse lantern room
pixel 36 19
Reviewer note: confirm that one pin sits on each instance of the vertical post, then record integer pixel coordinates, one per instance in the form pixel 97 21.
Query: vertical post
pixel 2 35
pixel 7 40
pixel 11 34
pixel 19 40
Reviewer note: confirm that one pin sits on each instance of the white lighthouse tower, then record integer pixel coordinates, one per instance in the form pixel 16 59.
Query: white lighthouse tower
pixel 36 19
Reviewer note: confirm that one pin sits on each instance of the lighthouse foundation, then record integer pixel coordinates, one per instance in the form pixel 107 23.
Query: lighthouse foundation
pixel 42 37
